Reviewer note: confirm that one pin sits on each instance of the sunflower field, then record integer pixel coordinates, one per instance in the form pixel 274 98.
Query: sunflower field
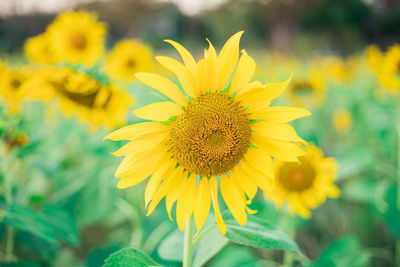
pixel 210 151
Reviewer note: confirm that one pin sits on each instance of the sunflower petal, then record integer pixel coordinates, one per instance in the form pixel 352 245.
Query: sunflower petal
pixel 186 56
pixel 233 199
pixel 131 132
pixel 228 58
pixel 214 197
pixel 202 204
pixel 243 73
pixel 160 111
pixel 281 131
pixel 163 85
pixel 184 206
pixel 280 114
pixel 184 75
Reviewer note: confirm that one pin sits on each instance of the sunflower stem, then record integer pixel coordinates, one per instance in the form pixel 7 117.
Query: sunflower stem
pixel 398 181
pixel 188 245
pixel 289 256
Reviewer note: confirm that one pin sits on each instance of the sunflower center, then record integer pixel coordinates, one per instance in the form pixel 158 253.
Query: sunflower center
pixel 130 63
pixel 296 177
pixel 78 40
pixel 15 84
pixel 211 136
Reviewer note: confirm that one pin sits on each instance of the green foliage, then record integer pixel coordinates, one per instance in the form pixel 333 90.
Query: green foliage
pixel 258 233
pixel 127 257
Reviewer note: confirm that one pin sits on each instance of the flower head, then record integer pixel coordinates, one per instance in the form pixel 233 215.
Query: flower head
pixel 304 185
pixel 11 87
pixel 222 134
pixel 77 37
pixel 38 49
pixel 127 58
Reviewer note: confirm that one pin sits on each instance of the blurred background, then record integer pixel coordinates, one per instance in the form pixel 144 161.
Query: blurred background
pixel 289 26
pixel 59 205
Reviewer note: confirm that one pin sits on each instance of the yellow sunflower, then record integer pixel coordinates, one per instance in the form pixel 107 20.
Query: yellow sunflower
pixel 390 72
pixel 11 89
pixel 374 58
pixel 82 95
pixel 308 90
pixel 304 185
pixel 221 135
pixel 127 58
pixel 38 49
pixel 77 37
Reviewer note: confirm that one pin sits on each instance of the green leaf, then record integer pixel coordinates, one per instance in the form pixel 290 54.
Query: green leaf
pixel 208 246
pixel 28 220
pixel 171 248
pixel 63 224
pixel 258 233
pixel 129 257
pixel 392 214
pixel 234 256
pixel 346 252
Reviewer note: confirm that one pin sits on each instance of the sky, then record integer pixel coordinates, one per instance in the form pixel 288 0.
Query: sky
pixel 13 7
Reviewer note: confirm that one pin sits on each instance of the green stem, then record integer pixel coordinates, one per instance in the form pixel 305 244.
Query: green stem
pixel 7 187
pixel 398 182
pixel 203 234
pixel 188 246
pixel 289 256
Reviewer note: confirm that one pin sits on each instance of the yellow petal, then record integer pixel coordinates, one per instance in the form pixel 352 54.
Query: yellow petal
pixel 243 73
pixel 233 199
pixel 131 132
pixel 202 76
pixel 173 196
pixel 131 160
pixel 172 179
pixel 184 75
pixel 186 56
pixel 184 206
pixel 261 96
pixel 248 186
pixel 260 160
pixel 202 204
pixel 282 150
pixel 214 198
pixel 212 71
pixel 228 58
pixel 142 144
pixel 163 85
pixel 280 114
pixel 281 131
pixel 160 111
pixel 156 179
pixel 263 181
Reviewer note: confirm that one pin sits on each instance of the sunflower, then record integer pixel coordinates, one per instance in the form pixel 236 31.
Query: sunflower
pixel 127 58
pixel 77 37
pixel 11 89
pixel 374 58
pixel 342 120
pixel 221 135
pixel 38 49
pixel 308 90
pixel 390 72
pixel 304 185
pixel 81 94
pixel 339 70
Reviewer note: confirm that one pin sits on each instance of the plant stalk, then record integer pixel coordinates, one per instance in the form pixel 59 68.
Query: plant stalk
pixel 188 245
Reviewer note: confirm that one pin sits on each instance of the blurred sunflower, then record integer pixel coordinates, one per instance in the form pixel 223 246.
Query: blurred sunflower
pixel 127 58
pixel 222 135
pixel 308 90
pixel 342 120
pixel 81 94
pixel 11 89
pixel 77 37
pixel 38 49
pixel 390 72
pixel 304 185
pixel 374 58
pixel 339 70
